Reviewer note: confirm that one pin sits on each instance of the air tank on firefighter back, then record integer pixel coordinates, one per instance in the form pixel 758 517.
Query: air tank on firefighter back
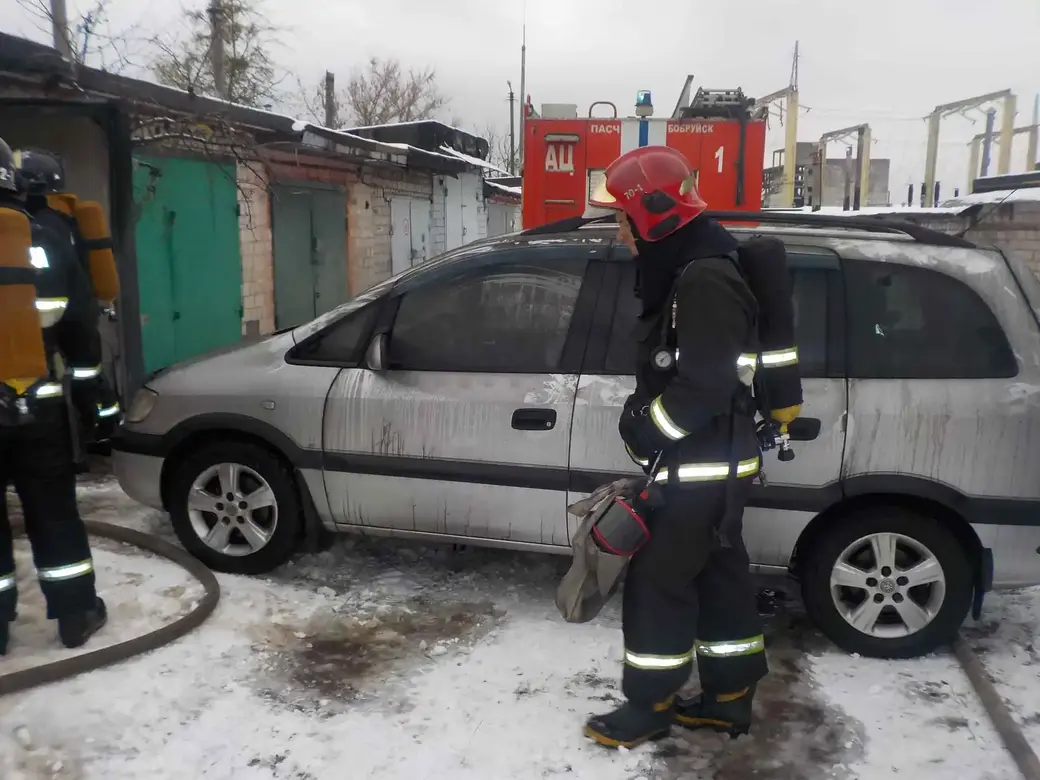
pixel 565 155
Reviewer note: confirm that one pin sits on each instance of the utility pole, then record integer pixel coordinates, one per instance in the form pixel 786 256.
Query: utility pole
pixel 512 130
pixel 523 88
pixel 1034 136
pixel 790 116
pixel 216 48
pixel 60 29
pixel 331 120
pixel 987 141
pixel 1006 96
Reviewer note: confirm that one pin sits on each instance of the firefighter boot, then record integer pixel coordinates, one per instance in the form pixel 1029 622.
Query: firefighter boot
pixel 631 725
pixel 5 636
pixel 726 713
pixel 77 628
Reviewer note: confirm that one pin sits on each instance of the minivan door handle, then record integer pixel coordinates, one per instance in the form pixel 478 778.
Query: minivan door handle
pixel 804 429
pixel 534 419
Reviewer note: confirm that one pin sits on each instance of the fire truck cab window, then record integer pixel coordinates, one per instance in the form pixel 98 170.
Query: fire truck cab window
pixel 512 317
pixel 907 322
pixel 817 308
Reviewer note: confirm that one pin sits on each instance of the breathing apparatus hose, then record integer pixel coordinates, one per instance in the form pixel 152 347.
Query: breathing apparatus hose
pixel 25 679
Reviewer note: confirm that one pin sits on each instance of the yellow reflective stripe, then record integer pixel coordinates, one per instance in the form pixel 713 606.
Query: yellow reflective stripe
pixel 51 304
pixel 638 461
pixel 652 662
pixel 731 648
pixel 93 372
pixel 108 411
pixel 49 390
pixel 780 357
pixel 68 572
pixel 38 257
pixel 747 359
pixel 7 582
pixel 707 472
pixel 664 423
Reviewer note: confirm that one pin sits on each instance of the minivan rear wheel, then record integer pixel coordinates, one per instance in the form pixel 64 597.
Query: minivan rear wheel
pixel 887 582
pixel 234 506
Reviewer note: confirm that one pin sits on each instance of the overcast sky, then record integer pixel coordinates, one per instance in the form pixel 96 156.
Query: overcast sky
pixel 886 62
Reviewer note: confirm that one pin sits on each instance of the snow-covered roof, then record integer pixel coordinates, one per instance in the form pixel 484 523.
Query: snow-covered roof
pixel 877 211
pixel 475 161
pixel 1022 195
pixel 517 191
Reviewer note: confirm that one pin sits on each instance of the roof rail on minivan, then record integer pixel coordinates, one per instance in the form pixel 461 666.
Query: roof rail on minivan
pixel 870 224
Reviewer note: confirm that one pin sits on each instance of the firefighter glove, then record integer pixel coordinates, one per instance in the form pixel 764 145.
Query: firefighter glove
pixel 642 438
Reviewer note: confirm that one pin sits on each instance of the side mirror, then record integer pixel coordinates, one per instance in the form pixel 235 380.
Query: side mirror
pixel 377 354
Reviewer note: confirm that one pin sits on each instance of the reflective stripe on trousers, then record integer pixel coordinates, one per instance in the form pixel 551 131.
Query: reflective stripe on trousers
pixel 657 662
pixel 731 648
pixel 67 572
pixel 709 472
pixel 108 411
pixel 7 582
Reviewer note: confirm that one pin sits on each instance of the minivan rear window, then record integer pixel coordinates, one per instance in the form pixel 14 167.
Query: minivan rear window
pixel 1027 280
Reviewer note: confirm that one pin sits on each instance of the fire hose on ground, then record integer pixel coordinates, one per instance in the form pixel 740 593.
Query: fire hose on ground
pixel 1010 732
pixel 14 682
pixel 24 679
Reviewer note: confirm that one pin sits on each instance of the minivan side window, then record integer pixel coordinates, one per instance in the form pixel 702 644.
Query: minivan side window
pixel 816 306
pixel 908 322
pixel 512 317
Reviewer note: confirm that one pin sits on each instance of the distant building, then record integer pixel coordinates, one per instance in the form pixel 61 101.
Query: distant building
pixel 835 173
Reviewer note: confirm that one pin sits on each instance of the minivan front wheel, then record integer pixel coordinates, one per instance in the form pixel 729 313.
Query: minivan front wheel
pixel 234 506
pixel 887 582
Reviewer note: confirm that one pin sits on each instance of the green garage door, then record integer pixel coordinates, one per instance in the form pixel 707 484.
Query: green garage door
pixel 188 257
pixel 310 252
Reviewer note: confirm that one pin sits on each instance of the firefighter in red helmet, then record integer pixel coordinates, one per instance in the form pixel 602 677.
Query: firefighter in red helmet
pixel 688 593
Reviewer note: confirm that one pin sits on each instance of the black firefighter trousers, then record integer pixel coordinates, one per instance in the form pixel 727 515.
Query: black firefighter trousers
pixel 687 596
pixel 37 459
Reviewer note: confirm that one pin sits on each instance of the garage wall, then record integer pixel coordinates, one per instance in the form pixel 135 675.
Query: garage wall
pixel 254 224
pixel 369 191
pixel 459 213
pixel 81 142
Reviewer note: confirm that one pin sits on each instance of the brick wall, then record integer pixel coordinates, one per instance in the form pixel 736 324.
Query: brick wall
pixel 1013 227
pixel 254 225
pixel 438 227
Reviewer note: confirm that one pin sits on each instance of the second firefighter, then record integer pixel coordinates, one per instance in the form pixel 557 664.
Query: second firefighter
pixel 688 593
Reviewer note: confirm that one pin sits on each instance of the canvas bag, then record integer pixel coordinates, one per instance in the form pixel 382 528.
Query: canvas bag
pixel 594 575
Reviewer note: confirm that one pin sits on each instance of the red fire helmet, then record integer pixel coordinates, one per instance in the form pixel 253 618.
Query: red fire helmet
pixel 655 186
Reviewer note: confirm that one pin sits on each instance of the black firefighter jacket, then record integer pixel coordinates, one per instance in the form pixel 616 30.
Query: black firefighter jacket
pixel 699 413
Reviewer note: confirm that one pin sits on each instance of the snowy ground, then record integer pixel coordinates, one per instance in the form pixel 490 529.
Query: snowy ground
pixel 386 660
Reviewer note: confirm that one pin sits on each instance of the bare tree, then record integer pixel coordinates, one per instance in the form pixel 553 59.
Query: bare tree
pixel 499 152
pixel 249 70
pixel 383 92
pixel 91 42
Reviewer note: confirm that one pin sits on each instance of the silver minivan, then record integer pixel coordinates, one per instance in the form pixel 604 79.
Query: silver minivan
pixel 472 398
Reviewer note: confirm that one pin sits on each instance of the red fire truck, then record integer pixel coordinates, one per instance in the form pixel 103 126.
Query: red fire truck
pixel 565 156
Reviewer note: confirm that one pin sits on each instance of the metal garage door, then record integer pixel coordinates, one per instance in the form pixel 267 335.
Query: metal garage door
pixel 309 226
pixel 188 257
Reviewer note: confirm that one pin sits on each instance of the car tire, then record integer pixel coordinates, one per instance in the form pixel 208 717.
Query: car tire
pixel 922 548
pixel 258 540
